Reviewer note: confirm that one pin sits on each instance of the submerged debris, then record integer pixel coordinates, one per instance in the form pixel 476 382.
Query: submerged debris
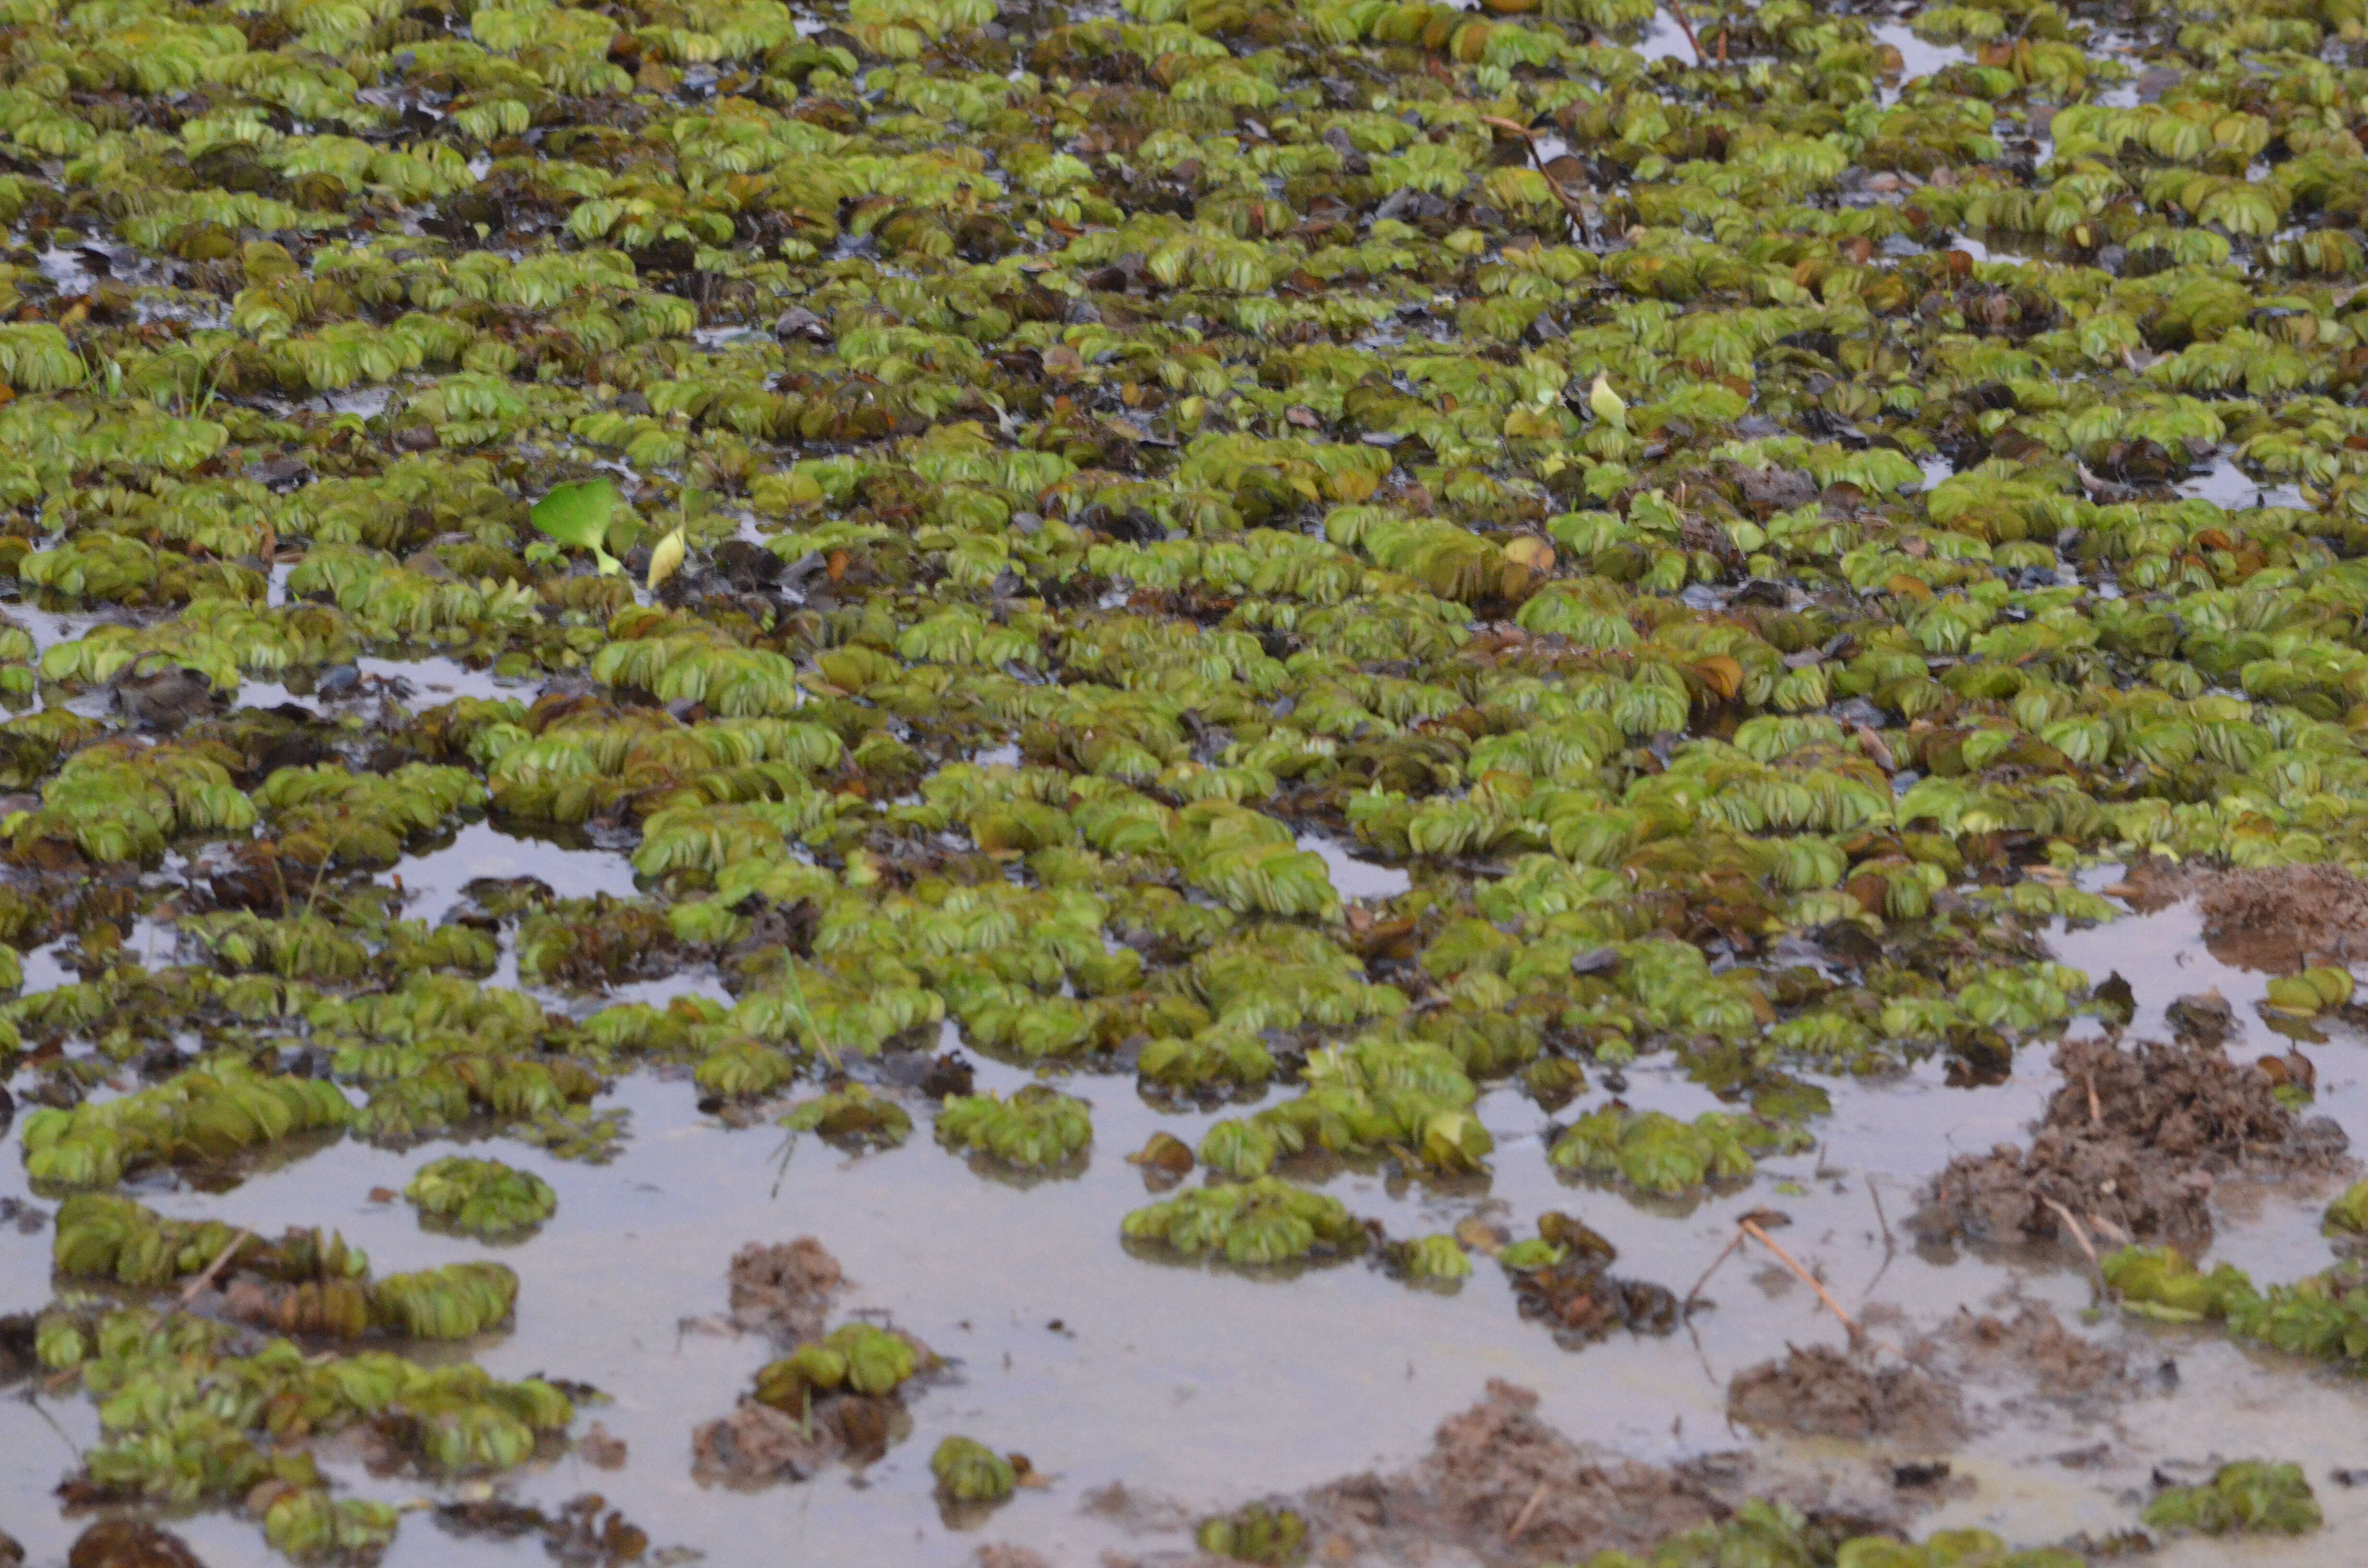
pixel 854 1118
pixel 584 1531
pixel 1562 1278
pixel 2033 1348
pixel 2130 1146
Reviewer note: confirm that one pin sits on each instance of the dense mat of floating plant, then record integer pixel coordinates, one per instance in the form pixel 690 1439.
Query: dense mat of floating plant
pixel 1112 445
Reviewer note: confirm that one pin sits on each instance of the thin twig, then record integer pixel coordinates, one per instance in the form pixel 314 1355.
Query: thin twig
pixel 1570 207
pixel 1733 1242
pixel 2096 1269
pixel 1678 12
pixel 2096 1111
pixel 2107 1227
pixel 1752 1230
pixel 1529 1511
pixel 31 1397
pixel 198 1285
pixel 1890 1248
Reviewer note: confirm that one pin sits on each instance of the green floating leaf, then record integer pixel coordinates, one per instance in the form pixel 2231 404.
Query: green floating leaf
pixel 969 1471
pixel 2250 1496
pixel 579 515
pixel 484 1197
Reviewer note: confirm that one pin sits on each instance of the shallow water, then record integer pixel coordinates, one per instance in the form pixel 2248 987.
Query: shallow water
pixel 1352 878
pixel 2224 484
pixel 1204 1386
pixel 1918 58
pixel 435 880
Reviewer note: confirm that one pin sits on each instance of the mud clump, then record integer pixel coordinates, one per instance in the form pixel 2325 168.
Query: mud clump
pixel 586 1532
pixel 2274 917
pixel 784 1288
pixel 1579 1298
pixel 1508 1488
pixel 997 1554
pixel 1820 1391
pixel 756 1444
pixel 829 1397
pixel 130 1543
pixel 2131 1145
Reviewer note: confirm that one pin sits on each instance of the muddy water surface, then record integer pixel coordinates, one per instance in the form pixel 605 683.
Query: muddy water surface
pixel 1203 1387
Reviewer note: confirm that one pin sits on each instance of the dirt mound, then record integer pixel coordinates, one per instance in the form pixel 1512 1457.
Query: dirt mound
pixel 1821 1392
pixel 784 1288
pixel 2131 1145
pixel 2276 917
pixel 1506 1487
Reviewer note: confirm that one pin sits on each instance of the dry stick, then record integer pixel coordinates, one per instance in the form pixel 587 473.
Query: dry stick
pixel 2096 1111
pixel 1570 206
pixel 1678 12
pixel 2096 1269
pixel 1890 1248
pixel 1752 1229
pixel 1528 1509
pixel 1734 1243
pixel 206 1279
pixel 31 1397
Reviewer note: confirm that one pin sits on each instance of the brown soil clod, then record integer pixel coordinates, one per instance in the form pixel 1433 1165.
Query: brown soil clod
pixel 2132 1144
pixel 2277 917
pixel 1579 1298
pixel 785 1289
pixel 130 1543
pixel 1506 1488
pixel 1820 1391
pixel 2204 1018
pixel 756 1444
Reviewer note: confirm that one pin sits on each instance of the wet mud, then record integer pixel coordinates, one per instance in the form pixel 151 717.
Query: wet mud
pixel 2129 1148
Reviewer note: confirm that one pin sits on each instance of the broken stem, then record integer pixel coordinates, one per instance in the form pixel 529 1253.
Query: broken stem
pixel 1814 1283
pixel 1734 1241
pixel 197 1287
pixel 1529 1510
pixel 1678 13
pixel 1570 206
pixel 2096 1269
